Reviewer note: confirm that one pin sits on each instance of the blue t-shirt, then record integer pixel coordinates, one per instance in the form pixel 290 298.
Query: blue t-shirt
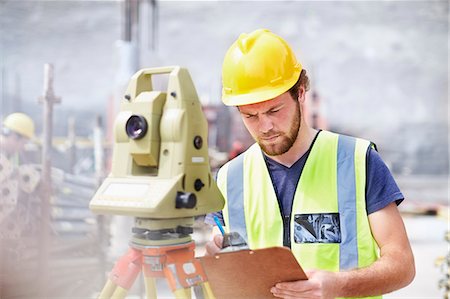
pixel 381 188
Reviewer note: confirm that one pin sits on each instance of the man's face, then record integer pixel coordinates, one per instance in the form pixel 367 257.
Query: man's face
pixel 274 124
pixel 17 142
pixel 13 143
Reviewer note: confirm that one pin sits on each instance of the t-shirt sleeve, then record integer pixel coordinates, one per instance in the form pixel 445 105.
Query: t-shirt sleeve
pixel 381 188
pixel 209 219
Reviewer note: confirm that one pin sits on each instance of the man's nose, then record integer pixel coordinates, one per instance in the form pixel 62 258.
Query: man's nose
pixel 265 124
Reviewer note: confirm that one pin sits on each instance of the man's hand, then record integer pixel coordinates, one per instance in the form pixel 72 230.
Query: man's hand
pixel 214 246
pixel 320 284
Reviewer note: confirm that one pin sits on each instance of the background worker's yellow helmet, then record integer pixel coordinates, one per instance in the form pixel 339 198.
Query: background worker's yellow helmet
pixel 258 66
pixel 20 123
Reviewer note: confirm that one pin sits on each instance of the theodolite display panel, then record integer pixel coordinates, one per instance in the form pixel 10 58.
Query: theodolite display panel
pixel 160 166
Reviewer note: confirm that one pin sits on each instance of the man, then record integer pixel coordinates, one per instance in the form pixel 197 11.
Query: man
pixel 18 129
pixel 17 218
pixel 306 189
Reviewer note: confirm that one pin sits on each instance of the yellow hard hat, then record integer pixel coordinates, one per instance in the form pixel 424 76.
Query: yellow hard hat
pixel 20 123
pixel 258 66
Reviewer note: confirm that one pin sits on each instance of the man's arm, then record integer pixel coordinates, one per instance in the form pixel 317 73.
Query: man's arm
pixel 393 270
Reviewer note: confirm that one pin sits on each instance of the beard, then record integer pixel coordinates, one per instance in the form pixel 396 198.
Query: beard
pixel 285 140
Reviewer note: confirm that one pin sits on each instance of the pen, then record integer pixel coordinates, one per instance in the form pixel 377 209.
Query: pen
pixel 219 225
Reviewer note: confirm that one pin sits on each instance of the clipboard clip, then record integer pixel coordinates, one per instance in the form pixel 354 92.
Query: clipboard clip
pixel 233 242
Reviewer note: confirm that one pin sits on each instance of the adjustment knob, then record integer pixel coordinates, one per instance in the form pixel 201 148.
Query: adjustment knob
pixel 185 200
pixel 198 185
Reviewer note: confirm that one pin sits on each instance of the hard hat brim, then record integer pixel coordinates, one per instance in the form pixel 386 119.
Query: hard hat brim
pixel 260 96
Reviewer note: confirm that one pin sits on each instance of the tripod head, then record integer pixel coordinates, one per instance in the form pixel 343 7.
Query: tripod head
pixel 160 165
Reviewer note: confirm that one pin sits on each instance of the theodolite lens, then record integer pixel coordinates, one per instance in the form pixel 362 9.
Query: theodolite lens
pixel 136 127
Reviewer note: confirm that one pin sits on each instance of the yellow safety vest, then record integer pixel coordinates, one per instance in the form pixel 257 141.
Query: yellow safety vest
pixel 331 187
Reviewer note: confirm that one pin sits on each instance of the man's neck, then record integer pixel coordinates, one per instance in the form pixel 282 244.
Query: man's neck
pixel 301 145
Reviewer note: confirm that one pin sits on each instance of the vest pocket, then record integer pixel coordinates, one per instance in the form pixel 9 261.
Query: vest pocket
pixel 317 228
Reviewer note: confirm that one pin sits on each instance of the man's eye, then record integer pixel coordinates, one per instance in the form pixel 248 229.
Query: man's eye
pixel 273 111
pixel 250 116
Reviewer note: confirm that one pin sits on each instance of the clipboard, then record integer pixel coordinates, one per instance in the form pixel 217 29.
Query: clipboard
pixel 250 274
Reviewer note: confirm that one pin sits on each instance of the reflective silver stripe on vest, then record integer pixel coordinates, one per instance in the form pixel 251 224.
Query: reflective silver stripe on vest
pixel 235 196
pixel 346 192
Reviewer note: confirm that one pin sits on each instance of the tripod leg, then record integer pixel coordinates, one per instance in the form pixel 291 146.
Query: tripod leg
pixel 123 275
pixel 150 287
pixel 108 290
pixel 182 293
pixel 207 292
pixel 203 291
pixel 119 293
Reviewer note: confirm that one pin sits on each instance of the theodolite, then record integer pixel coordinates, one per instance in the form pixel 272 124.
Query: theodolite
pixel 161 176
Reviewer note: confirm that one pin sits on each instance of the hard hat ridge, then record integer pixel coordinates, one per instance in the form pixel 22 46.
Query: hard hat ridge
pixel 246 41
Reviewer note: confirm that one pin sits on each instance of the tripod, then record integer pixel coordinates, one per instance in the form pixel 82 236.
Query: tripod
pixel 164 252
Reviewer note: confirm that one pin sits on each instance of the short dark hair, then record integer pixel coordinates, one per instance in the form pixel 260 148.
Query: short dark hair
pixel 303 80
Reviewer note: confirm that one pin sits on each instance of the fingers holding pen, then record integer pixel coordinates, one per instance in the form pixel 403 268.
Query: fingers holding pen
pixel 218 241
pixel 214 246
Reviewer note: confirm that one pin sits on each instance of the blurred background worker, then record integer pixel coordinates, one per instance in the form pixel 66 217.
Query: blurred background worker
pixel 307 189
pixel 17 131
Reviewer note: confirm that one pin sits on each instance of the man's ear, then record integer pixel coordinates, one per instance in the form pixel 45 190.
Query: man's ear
pixel 301 94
